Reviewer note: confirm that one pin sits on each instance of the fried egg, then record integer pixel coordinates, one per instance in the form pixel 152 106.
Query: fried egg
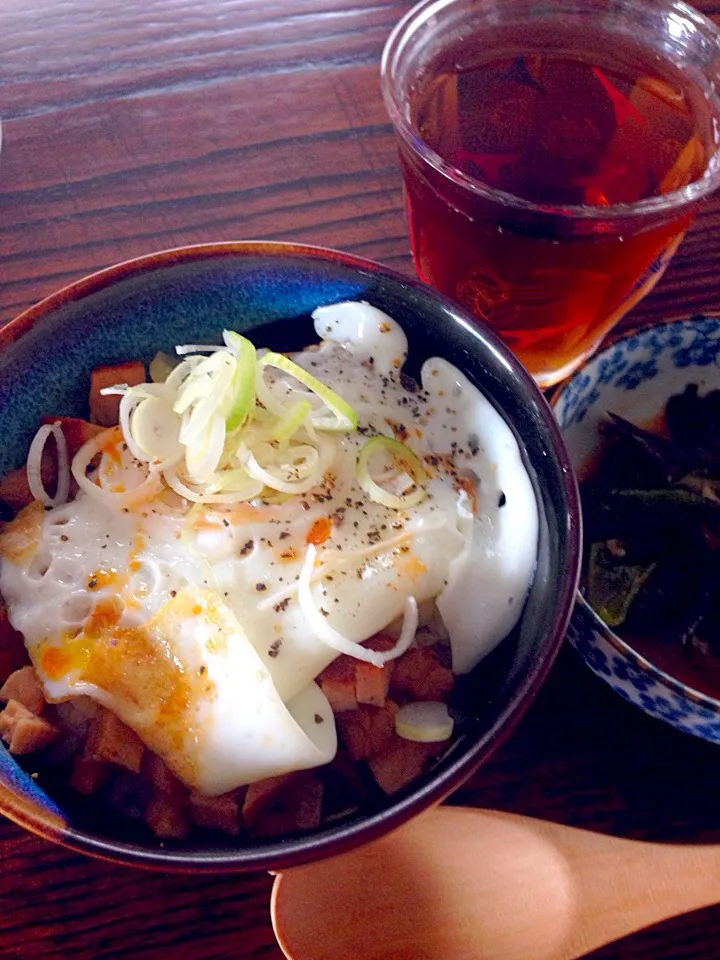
pixel 186 622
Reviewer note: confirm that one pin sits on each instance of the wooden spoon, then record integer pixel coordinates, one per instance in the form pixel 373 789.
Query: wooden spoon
pixel 464 884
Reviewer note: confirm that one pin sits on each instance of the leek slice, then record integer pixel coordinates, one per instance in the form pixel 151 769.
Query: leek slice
pixel 405 464
pixel 426 721
pixel 343 418
pixel 243 382
pixel 288 424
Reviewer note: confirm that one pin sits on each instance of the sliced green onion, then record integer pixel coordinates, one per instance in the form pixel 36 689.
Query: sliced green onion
pixel 243 383
pixel 427 721
pixel 322 630
pixel 300 471
pixel 155 427
pixel 404 462
pixel 186 491
pixel 274 497
pixel 343 419
pixel 197 348
pixel 236 481
pixel 262 415
pixel 208 394
pixel 203 456
pixel 291 421
pixel 161 366
pixel 178 377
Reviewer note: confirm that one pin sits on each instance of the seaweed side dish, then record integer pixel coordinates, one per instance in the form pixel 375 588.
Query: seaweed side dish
pixel 651 511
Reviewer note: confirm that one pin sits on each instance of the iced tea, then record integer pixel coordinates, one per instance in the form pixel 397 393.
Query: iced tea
pixel 557 140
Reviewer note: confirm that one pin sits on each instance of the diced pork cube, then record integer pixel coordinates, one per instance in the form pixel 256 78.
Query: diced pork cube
pixel 263 794
pixel 371 682
pixel 281 805
pixel 23 731
pixel 106 410
pixel 24 686
pixel 14 488
pixel 12 647
pixel 89 775
pixel 419 675
pixel 337 682
pixel 164 781
pixel 166 819
pixel 344 786
pixel 217 813
pixel 111 740
pixel 367 730
pixel 401 762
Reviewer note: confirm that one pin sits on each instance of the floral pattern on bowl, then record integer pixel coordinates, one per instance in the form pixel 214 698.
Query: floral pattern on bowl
pixel 634 377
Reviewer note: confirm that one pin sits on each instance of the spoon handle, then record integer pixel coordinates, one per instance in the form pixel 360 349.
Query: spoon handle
pixel 466 884
pixel 616 887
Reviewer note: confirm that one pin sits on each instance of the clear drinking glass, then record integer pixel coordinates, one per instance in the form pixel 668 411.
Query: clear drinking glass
pixel 554 152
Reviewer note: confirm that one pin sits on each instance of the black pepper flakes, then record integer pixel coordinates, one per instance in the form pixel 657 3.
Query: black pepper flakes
pixel 247 548
pixel 282 605
pixel 173 594
pixel 260 587
pixel 408 383
pixel 318 718
pixel 274 650
pixel 92 582
pixel 64 539
pixel 284 535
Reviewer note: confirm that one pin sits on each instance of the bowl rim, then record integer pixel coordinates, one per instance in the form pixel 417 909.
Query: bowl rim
pixel 614 639
pixel 279 855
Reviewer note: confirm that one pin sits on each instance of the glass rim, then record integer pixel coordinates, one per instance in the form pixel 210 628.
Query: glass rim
pixel 418 15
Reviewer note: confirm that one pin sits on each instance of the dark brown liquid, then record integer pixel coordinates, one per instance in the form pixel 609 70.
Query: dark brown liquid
pixel 577 125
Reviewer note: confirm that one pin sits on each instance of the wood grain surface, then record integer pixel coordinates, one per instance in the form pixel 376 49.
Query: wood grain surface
pixel 137 126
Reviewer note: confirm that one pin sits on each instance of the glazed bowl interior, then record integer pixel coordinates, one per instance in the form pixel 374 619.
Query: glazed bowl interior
pixel 268 291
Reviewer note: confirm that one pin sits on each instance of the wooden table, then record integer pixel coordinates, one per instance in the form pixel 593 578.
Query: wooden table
pixel 136 126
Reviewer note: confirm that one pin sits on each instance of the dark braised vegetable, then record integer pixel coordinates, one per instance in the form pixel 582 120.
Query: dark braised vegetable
pixel 651 515
pixel 661 515
pixel 612 583
pixel 693 422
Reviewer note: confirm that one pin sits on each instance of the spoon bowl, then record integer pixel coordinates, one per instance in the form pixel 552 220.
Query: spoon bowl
pixel 473 884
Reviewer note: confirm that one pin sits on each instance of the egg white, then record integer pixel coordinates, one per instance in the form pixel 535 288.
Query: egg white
pixel 478 567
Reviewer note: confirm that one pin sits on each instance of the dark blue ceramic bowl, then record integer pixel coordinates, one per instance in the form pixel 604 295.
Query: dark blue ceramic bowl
pixel 268 291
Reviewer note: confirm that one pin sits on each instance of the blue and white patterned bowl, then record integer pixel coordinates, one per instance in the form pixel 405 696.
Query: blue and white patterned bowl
pixel 634 377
